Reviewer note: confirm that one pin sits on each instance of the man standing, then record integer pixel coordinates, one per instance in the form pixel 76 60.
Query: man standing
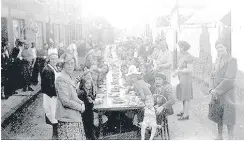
pixel 40 63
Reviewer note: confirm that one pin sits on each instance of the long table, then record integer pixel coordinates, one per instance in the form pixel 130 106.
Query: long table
pixel 108 104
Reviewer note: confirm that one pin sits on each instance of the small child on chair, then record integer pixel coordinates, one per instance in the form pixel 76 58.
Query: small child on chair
pixel 149 120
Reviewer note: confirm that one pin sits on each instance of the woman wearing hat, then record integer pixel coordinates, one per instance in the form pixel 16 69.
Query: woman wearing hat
pixel 163 89
pixel 222 109
pixel 184 72
pixel 69 106
pixel 27 56
pixel 48 77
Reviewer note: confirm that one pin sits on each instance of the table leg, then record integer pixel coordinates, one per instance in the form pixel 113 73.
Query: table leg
pixel 100 121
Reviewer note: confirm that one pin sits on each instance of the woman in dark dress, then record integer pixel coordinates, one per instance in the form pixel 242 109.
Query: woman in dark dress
pixel 222 107
pixel 28 56
pixel 15 79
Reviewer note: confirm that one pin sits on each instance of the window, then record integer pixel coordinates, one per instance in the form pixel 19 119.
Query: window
pixel 18 28
pixel 39 36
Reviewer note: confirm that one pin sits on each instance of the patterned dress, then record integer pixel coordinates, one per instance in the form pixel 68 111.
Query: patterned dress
pixel 27 55
pixel 70 131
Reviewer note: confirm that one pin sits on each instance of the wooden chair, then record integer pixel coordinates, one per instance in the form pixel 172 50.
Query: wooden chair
pixel 162 129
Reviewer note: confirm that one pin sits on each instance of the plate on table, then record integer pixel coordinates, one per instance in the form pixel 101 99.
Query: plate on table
pixel 132 93
pixel 115 74
pixel 114 94
pixel 118 100
pixel 103 89
pixel 100 96
pixel 115 89
pixel 102 86
pixel 115 83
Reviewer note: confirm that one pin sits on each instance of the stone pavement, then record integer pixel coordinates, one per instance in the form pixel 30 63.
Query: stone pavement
pixel 14 102
pixel 199 127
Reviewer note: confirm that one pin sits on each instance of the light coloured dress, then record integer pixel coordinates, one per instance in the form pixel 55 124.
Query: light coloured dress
pixel 70 124
pixel 185 91
pixel 164 58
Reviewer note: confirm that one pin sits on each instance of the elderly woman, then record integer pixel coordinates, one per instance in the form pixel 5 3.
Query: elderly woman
pixel 163 62
pixel 222 109
pixel 28 56
pixel 184 72
pixel 163 89
pixel 48 76
pixel 69 106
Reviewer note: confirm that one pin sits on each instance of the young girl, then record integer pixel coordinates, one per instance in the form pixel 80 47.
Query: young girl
pixel 85 93
pixel 149 119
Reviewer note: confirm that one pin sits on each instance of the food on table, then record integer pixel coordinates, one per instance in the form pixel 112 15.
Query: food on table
pixel 118 100
pixel 132 103
pixel 101 95
pixel 115 89
pixel 115 83
pixel 114 94
pixel 132 93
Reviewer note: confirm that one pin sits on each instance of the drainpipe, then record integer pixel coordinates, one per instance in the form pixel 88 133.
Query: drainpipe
pixel 175 25
pixel 10 30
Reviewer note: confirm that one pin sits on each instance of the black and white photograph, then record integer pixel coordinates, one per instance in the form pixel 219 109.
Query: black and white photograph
pixel 122 70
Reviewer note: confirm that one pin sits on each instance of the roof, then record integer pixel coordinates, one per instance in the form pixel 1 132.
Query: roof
pixel 208 16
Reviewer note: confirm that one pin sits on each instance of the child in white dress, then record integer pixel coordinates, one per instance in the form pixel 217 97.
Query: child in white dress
pixel 149 120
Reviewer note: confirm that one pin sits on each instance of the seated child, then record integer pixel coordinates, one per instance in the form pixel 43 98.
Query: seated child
pixel 149 119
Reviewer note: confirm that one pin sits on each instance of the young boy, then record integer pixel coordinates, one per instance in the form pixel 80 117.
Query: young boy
pixel 149 119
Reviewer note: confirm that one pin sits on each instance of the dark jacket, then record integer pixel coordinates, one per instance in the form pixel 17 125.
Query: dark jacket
pixel 83 95
pixel 47 81
pixel 15 52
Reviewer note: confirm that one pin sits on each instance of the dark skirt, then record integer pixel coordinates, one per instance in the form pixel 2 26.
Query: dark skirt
pixel 88 121
pixel 222 113
pixel 70 131
pixel 26 72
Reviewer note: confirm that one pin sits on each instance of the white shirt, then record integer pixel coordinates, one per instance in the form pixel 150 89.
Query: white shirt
pixel 34 53
pixel 52 50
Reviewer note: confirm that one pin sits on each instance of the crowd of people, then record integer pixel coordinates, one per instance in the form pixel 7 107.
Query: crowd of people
pixel 146 70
